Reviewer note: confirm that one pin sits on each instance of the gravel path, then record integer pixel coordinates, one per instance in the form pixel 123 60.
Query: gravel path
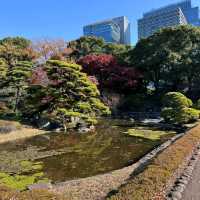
pixel 192 191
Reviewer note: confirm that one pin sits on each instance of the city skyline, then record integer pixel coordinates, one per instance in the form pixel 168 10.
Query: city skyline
pixel 39 19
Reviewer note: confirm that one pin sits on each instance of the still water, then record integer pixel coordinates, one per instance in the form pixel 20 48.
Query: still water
pixel 71 156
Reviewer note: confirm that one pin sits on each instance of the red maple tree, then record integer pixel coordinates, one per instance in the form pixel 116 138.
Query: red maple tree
pixel 110 74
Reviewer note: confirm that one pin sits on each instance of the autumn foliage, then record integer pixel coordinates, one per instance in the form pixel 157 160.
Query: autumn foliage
pixel 110 74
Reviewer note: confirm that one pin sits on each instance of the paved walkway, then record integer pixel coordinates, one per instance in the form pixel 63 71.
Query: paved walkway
pixel 192 191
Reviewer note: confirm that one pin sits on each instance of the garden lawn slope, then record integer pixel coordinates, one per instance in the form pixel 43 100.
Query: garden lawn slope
pixel 154 179
pixel 10 131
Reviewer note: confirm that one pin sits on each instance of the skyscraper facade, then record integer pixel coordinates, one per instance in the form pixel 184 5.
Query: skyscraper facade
pixel 125 29
pixel 116 30
pixel 108 30
pixel 175 14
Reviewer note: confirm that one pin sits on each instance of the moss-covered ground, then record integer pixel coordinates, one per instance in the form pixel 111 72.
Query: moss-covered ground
pixel 149 134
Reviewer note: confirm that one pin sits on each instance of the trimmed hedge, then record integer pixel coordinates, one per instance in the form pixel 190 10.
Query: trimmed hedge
pixel 180 116
pixel 176 100
pixel 152 181
pixel 177 109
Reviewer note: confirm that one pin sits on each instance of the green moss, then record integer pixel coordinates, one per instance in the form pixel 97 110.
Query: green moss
pixel 17 182
pixel 37 167
pixel 21 182
pixel 44 180
pixel 3 175
pixel 21 174
pixel 30 166
pixel 39 174
pixel 148 134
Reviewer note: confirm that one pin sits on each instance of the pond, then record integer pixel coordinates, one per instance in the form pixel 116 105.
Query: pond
pixel 59 157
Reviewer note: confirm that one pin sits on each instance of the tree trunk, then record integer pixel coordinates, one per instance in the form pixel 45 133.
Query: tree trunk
pixel 17 99
pixel 65 128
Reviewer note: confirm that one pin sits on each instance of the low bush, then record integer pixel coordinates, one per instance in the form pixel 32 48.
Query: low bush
pixel 153 180
pixel 176 100
pixel 197 105
pixel 180 116
pixel 178 109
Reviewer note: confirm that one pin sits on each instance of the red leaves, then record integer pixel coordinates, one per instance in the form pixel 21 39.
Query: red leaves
pixel 94 80
pixel 93 64
pixel 39 77
pixel 46 99
pixel 110 74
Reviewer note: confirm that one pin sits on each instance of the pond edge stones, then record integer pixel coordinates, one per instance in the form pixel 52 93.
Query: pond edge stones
pixel 181 182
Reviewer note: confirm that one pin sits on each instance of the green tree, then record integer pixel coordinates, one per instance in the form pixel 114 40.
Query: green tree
pixel 3 71
pixel 67 96
pixel 14 68
pixel 16 49
pixel 169 58
pixel 19 42
pixel 17 82
pixel 85 46
pixel 120 52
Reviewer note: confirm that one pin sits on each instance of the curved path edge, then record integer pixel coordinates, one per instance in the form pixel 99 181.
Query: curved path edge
pixel 186 186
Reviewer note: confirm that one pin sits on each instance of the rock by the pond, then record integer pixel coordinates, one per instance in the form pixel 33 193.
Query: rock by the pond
pixel 86 129
pixel 176 195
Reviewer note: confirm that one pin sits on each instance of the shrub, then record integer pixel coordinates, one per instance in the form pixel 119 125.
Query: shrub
pixel 178 109
pixel 168 114
pixel 186 115
pixel 176 100
pixel 197 105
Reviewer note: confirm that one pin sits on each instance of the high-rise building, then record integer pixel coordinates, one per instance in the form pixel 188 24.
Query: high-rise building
pixel 175 14
pixel 116 30
pixel 125 29
pixel 108 30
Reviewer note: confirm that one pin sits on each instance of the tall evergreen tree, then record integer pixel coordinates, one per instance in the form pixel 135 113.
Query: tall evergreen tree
pixel 67 96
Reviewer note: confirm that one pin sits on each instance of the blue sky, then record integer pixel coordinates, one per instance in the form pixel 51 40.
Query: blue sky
pixel 36 19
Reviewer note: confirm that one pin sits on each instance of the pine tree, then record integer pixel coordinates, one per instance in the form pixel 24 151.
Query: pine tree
pixel 67 97
pixel 16 82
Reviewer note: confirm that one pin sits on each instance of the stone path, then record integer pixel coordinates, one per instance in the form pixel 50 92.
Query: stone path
pixel 192 191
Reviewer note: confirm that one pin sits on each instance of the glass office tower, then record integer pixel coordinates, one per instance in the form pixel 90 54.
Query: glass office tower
pixel 108 30
pixel 175 14
pixel 116 30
